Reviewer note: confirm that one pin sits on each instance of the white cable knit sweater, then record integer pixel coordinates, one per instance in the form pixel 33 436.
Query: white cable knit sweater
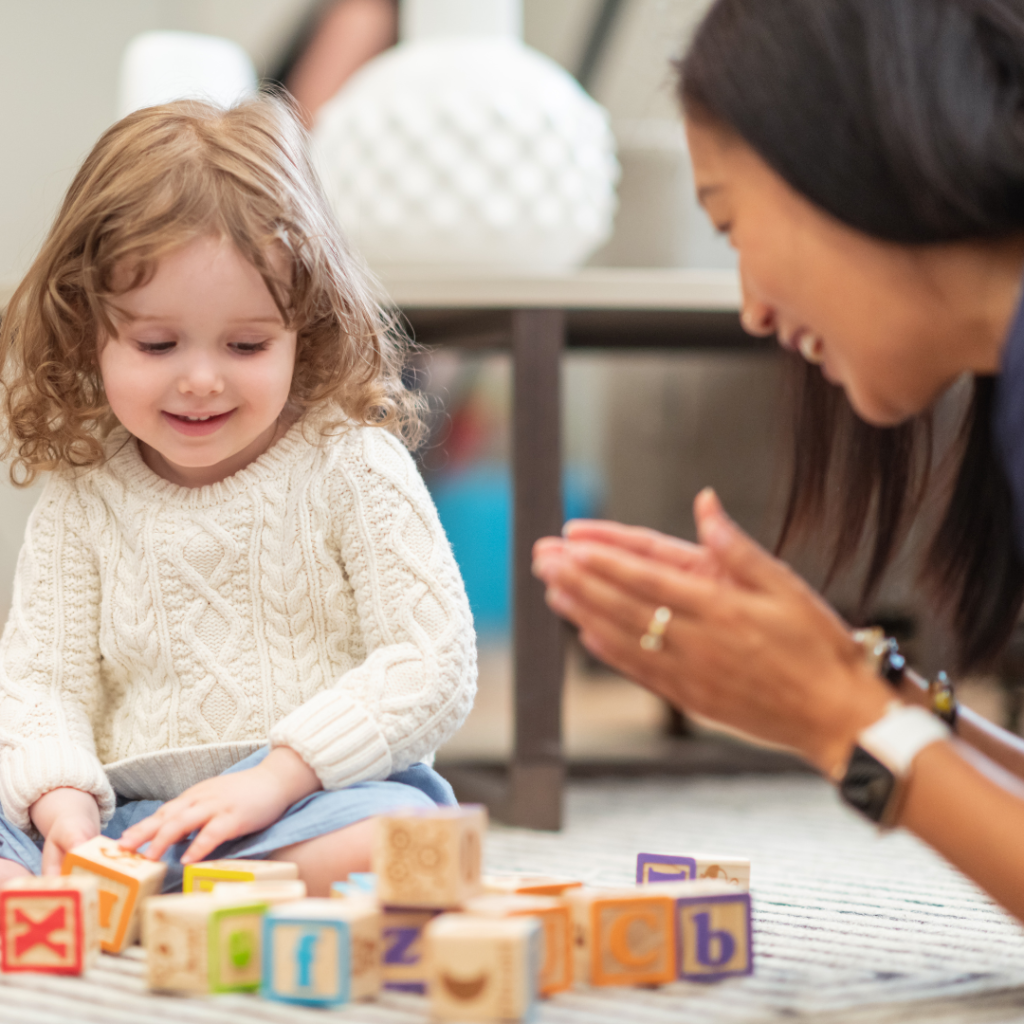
pixel 160 633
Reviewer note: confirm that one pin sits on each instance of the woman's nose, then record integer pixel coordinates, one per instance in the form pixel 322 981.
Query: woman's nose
pixel 758 318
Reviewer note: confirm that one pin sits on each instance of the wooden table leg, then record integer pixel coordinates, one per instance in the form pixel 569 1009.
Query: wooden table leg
pixel 537 772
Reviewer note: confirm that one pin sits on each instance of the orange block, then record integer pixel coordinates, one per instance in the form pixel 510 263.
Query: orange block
pixel 556 926
pixel 125 879
pixel 529 885
pixel 623 937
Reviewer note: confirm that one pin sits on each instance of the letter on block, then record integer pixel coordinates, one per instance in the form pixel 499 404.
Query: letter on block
pixel 203 943
pixel 125 879
pixel 715 937
pixel 483 968
pixel 529 885
pixel 556 927
pixel 429 859
pixel 49 924
pixel 203 876
pixel 623 936
pixel 658 867
pixel 403 967
pixel 321 952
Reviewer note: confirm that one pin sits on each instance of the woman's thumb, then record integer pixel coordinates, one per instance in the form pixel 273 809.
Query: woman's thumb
pixel 745 561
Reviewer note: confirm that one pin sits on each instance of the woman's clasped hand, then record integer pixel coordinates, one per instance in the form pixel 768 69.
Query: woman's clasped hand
pixel 748 643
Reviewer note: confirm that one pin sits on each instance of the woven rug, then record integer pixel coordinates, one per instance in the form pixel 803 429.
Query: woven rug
pixel 850 927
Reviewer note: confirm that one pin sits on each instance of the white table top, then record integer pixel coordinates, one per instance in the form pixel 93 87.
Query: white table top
pixel 652 288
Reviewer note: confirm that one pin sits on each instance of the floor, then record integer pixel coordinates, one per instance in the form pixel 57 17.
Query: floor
pixel 850 927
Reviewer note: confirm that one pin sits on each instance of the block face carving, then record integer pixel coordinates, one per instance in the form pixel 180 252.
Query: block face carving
pixel 715 937
pixel 306 962
pixel 202 877
pixel 655 867
pixel 125 879
pixel 176 947
pixel 403 968
pixel 48 925
pixel 483 968
pixel 234 947
pixel 429 859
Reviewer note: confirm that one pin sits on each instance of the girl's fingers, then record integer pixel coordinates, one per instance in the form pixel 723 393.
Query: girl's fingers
pixel 132 838
pixel 219 829
pixel 176 828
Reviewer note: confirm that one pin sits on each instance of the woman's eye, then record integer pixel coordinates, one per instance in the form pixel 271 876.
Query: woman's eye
pixel 155 346
pixel 723 229
pixel 247 348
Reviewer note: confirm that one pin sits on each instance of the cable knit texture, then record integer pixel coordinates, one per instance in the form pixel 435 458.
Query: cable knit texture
pixel 159 633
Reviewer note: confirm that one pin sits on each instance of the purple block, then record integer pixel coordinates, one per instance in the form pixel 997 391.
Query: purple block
pixel 709 948
pixel 662 867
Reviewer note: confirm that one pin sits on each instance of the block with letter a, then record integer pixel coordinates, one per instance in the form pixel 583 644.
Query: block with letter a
pixel 124 878
pixel 483 968
pixel 661 867
pixel 203 876
pixel 623 936
pixel 49 924
pixel 322 952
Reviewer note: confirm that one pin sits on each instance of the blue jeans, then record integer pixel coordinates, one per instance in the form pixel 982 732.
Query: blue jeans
pixel 315 815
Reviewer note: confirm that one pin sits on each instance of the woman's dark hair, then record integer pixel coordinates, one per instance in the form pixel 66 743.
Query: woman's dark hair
pixel 905 120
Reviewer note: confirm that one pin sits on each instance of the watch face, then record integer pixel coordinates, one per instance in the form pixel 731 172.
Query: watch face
pixel 868 785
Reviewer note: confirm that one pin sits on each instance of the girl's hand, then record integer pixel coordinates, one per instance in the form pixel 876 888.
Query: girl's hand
pixel 749 644
pixel 225 807
pixel 65 817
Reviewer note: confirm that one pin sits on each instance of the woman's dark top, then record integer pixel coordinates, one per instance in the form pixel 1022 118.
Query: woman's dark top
pixel 1008 420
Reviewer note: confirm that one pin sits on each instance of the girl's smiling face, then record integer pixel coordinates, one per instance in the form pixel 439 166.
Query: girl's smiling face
pixel 894 325
pixel 200 369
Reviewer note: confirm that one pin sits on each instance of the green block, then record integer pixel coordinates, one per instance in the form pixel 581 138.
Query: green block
pixel 234 948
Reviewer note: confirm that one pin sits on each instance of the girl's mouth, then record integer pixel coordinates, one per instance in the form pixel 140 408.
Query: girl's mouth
pixel 197 425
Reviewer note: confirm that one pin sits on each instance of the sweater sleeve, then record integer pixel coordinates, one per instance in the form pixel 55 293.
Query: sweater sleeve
pixel 49 662
pixel 418 681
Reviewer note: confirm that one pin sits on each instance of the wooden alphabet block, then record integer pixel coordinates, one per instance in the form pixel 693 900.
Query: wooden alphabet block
pixel 429 859
pixel 125 879
pixel 49 924
pixel 623 936
pixel 483 969
pixel 659 867
pixel 529 885
pixel 203 943
pixel 365 881
pixel 556 932
pixel 203 876
pixel 344 891
pixel 281 890
pixel 403 967
pixel 321 952
pixel 714 933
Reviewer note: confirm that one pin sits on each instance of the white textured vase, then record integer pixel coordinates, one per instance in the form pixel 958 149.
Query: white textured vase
pixel 464 149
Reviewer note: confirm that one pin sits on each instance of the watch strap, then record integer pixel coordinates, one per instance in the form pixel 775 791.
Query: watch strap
pixel 900 735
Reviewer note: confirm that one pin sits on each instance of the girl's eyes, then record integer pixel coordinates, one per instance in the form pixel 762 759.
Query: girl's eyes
pixel 244 348
pixel 155 346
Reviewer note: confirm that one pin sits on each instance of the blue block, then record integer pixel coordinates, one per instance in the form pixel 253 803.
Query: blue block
pixel 305 961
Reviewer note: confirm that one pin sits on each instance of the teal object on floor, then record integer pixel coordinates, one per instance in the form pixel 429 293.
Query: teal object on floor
pixel 475 507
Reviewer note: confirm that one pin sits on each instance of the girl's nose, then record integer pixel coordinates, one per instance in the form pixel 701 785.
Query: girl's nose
pixel 201 377
pixel 758 318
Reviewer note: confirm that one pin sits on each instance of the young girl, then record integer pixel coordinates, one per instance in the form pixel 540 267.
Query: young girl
pixel 237 627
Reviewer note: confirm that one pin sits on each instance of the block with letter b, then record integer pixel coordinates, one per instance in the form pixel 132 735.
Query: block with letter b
pixel 660 867
pixel 714 935
pixel 203 943
pixel 204 875
pixel 125 879
pixel 49 924
pixel 322 952
pixel 623 936
pixel 482 968
pixel 430 858
pixel 556 928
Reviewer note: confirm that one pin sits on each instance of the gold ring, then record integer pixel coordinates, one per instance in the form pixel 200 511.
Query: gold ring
pixel 653 639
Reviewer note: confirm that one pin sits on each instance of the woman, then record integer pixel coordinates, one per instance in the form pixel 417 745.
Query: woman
pixel 866 159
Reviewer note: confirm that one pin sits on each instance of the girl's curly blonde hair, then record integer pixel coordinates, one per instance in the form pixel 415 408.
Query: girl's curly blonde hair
pixel 156 180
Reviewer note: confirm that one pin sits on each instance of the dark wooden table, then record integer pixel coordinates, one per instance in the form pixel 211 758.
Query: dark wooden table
pixel 536 320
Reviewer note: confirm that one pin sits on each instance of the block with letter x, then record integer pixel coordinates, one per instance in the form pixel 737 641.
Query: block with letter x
pixel 49 924
pixel 125 879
